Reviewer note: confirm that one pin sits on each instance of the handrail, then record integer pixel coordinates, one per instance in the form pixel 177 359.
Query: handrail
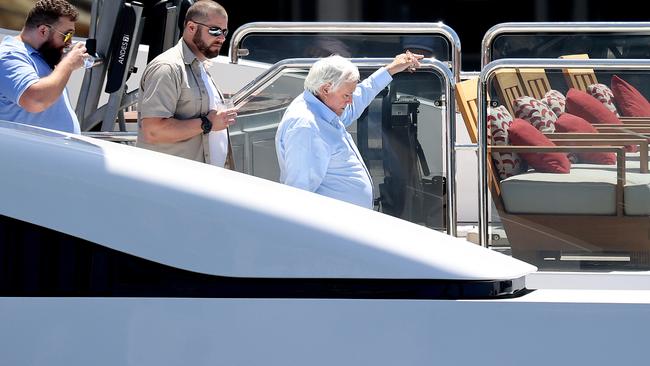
pixel 349 27
pixel 113 136
pixel 525 63
pixel 557 27
pixel 425 64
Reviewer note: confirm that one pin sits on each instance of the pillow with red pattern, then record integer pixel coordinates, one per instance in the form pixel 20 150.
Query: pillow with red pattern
pixel 604 95
pixel 522 133
pixel 629 100
pixel 584 105
pixel 535 112
pixel 498 121
pixel 570 123
pixel 555 101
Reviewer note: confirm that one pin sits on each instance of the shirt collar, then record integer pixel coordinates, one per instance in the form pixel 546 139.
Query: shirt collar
pixel 186 52
pixel 31 49
pixel 320 109
pixel 12 40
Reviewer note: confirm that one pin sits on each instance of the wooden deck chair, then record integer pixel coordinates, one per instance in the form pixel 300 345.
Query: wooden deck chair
pixel 509 87
pixel 579 78
pixel 467 102
pixel 536 237
pixel 535 82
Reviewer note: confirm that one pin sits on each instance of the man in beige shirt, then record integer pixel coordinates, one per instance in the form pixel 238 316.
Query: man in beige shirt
pixel 176 106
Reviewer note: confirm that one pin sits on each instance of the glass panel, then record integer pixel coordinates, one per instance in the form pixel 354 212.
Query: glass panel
pixel 553 45
pixel 563 209
pixel 253 136
pixel 275 47
pixel 400 138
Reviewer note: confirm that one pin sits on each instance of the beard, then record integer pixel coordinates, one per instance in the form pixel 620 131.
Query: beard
pixel 203 47
pixel 50 53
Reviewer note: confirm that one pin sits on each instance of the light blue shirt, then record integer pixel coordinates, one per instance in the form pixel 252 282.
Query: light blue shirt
pixel 20 67
pixel 315 151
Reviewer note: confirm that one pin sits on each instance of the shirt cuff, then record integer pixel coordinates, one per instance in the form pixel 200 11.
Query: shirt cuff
pixel 21 92
pixel 382 76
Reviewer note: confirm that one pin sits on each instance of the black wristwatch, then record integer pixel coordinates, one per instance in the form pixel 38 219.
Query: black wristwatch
pixel 206 124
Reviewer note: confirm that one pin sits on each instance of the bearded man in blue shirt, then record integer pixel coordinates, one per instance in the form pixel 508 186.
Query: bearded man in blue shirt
pixel 314 150
pixel 34 70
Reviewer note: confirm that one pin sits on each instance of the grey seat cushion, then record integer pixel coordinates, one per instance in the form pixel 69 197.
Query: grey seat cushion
pixel 637 194
pixel 581 192
pixel 589 189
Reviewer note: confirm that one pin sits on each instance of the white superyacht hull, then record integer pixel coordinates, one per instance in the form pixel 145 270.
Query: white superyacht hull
pixel 546 326
pixel 542 328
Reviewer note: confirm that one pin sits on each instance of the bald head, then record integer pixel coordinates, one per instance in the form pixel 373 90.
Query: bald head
pixel 201 10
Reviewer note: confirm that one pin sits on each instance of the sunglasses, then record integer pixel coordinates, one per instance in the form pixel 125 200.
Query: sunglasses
pixel 66 36
pixel 213 31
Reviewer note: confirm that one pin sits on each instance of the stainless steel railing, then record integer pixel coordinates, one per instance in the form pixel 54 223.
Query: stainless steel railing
pixel 427 64
pixel 439 28
pixel 570 28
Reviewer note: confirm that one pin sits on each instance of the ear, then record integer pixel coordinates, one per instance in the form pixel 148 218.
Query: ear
pixel 325 89
pixel 43 30
pixel 191 26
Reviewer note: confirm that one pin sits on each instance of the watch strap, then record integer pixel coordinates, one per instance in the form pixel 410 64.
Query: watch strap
pixel 206 124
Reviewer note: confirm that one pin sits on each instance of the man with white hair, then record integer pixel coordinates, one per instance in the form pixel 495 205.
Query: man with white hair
pixel 314 150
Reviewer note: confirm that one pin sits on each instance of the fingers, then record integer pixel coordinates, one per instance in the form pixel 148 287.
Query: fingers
pixel 222 119
pixel 78 47
pixel 230 117
pixel 414 56
pixel 411 60
pixel 75 56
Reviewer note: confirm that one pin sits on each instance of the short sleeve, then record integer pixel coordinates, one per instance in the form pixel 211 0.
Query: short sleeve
pixel 160 91
pixel 17 73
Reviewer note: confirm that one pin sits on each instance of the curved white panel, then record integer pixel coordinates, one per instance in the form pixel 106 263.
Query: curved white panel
pixel 206 219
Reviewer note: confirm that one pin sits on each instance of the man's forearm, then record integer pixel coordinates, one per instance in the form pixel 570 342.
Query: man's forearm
pixel 169 130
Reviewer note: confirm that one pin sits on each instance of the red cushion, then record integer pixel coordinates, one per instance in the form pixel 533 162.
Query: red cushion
pixel 584 105
pixel 629 100
pixel 570 123
pixel 522 133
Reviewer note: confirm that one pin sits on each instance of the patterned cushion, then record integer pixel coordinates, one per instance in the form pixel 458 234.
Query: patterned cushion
pixel 507 164
pixel 555 101
pixel 535 112
pixel 604 95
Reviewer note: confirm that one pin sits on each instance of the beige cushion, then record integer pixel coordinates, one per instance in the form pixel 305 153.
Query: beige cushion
pixel 637 194
pixel 582 191
pixel 587 190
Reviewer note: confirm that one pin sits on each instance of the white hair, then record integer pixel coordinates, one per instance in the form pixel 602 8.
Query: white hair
pixel 332 70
